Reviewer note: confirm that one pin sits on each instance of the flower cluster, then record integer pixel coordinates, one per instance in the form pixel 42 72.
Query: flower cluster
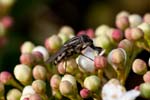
pixel 89 75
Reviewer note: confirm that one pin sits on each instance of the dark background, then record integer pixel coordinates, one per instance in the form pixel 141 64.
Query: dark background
pixel 34 20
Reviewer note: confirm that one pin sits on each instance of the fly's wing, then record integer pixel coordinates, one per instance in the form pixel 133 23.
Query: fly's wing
pixel 72 42
pixel 57 54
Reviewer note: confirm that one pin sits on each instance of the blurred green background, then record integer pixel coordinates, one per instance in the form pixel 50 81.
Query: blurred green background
pixel 34 20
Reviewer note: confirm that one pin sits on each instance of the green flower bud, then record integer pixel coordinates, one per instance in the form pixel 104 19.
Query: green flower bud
pixel 145 90
pixel 39 86
pixel 145 27
pixel 92 83
pixel 101 30
pixel 136 34
pixel 63 37
pixel 13 94
pixel 23 74
pixel 122 22
pixel 39 72
pixel 139 66
pixel 67 30
pixel 27 47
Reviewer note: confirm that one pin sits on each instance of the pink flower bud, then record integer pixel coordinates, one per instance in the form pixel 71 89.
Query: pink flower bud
pixel 84 93
pixel 39 72
pixel 139 66
pixel 55 81
pixel 6 77
pixel 35 97
pixel 146 77
pixel 100 62
pixel 88 32
pixel 27 59
pixel 146 18
pixel 117 35
pixel 122 22
pixel 60 67
pixel 27 47
pixel 13 94
pixel 7 21
pixel 39 86
pixel 92 83
pixel 128 34
pixel 53 43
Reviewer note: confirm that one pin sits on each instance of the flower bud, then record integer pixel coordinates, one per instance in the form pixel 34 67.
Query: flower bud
pixel 117 35
pixel 27 92
pixel 128 34
pixel 146 18
pixel 126 45
pixel 71 66
pixel 88 32
pixel 35 97
pixel 84 93
pixel 63 37
pixel 100 62
pixel 102 41
pixel 23 74
pixel 55 81
pixel 67 30
pixel 117 57
pixel 27 47
pixel 71 79
pixel 139 66
pixel 60 67
pixel 112 90
pixel 66 88
pixel 39 72
pixel 101 30
pixel 43 51
pixel 27 59
pixel 6 77
pixel 92 83
pixel 135 20
pixel 136 34
pixel 145 27
pixel 146 77
pixel 2 89
pixel 122 22
pixel 39 86
pixel 53 43
pixel 38 57
pixel 122 14
pixel 13 94
pixel 7 21
pixel 145 90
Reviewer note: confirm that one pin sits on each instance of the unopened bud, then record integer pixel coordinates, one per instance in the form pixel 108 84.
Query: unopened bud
pixel 55 81
pixel 39 86
pixel 146 77
pixel 135 20
pixel 27 47
pixel 13 94
pixel 145 90
pixel 100 62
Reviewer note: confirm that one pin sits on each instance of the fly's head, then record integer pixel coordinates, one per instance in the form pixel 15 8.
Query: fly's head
pixel 86 41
